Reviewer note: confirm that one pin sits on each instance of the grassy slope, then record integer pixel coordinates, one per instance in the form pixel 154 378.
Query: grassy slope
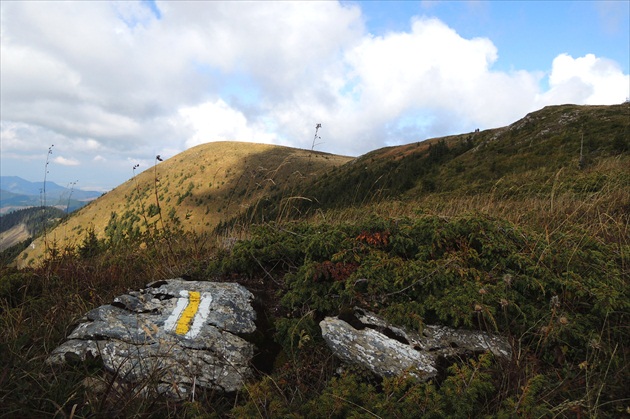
pixel 505 230
pixel 199 187
pixel 527 172
pixel 537 157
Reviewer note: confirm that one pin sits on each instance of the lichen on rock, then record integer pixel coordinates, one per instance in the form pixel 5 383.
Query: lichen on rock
pixel 175 334
pixel 389 351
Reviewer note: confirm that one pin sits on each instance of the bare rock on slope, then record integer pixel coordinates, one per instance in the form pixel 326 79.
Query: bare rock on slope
pixel 388 351
pixel 176 334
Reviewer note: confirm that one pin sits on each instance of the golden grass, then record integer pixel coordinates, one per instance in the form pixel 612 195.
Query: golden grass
pixel 604 213
pixel 200 187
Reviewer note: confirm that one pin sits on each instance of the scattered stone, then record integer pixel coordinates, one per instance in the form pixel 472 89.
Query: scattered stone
pixel 389 351
pixel 176 334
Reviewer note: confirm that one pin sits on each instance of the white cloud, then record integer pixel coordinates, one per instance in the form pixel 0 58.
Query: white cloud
pixel 217 121
pixel 133 13
pixel 586 80
pixel 403 86
pixel 432 67
pixel 88 145
pixel 112 82
pixel 276 43
pixel 22 137
pixel 66 161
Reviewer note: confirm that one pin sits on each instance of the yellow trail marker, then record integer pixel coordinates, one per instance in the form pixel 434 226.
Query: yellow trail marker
pixel 183 324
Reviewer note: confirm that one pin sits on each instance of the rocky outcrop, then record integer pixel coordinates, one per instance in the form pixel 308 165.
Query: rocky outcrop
pixel 176 334
pixel 364 338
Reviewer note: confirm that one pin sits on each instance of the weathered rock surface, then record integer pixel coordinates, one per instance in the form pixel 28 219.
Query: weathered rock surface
pixel 176 334
pixel 388 351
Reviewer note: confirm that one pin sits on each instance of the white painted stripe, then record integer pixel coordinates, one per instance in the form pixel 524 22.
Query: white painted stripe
pixel 201 316
pixel 171 323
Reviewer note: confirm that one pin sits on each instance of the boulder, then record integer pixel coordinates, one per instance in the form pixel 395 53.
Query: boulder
pixel 365 339
pixel 176 334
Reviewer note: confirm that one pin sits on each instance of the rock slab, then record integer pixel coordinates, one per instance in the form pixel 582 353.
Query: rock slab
pixel 389 351
pixel 176 334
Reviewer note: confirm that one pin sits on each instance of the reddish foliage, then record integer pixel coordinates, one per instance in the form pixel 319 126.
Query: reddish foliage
pixel 330 271
pixel 377 239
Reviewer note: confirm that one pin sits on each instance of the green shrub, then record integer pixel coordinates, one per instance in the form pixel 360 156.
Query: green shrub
pixel 556 297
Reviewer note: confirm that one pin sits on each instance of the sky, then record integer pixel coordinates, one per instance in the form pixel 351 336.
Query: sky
pixel 113 84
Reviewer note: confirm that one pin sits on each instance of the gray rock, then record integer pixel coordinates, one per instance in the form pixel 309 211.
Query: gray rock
pixel 175 334
pixel 372 349
pixel 389 351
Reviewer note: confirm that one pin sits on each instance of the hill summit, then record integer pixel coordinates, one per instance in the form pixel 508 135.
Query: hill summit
pixel 227 184
pixel 194 191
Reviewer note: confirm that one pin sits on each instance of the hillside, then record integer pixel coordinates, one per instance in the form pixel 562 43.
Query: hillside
pixel 195 191
pixel 13 236
pixel 553 152
pixel 558 152
pixel 19 226
pixel 522 232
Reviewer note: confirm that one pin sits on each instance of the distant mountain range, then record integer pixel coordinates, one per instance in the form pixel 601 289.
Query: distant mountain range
pixel 17 193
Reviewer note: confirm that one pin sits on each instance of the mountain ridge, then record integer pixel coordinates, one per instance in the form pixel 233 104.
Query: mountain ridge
pixel 230 184
pixel 523 157
pixel 196 190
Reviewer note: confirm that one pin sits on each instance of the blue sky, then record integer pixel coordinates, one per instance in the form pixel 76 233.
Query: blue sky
pixel 111 84
pixel 528 34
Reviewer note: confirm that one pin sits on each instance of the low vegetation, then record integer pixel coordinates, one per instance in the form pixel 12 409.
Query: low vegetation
pixel 511 231
pixel 194 190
